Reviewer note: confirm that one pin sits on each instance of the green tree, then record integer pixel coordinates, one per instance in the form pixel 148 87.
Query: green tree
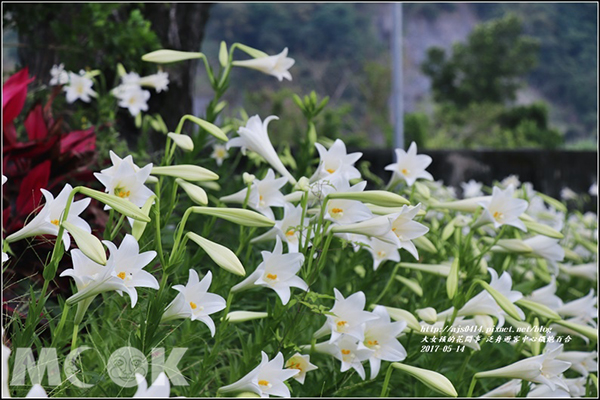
pixel 487 68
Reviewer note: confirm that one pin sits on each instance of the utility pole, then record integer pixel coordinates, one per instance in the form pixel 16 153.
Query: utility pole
pixel 397 94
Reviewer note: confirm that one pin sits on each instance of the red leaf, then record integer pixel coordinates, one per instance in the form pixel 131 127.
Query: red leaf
pixel 78 142
pixel 14 93
pixel 35 125
pixel 30 194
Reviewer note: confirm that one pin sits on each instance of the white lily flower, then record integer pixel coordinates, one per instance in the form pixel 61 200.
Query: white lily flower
pixel 158 81
pixel 381 251
pixel 543 369
pixel 264 194
pixel 484 304
pixel 79 87
pixel 127 262
pixel 277 65
pixel 381 337
pixel 593 191
pixel 347 350
pixel 287 228
pixel 511 180
pixel 581 361
pixel 545 215
pixel 377 227
pixel 409 166
pixel 336 159
pixel 463 330
pixel 503 209
pixel 544 391
pixel 161 388
pixel 471 189
pixel 254 137
pixel 576 386
pixel 587 271
pixel 219 153
pixel 584 307
pixel 342 211
pixel 405 229
pixel 547 296
pixel 59 75
pixel 545 247
pixel 126 180
pixel 278 272
pixel 302 364
pixel 133 97
pixel 194 301
pixel 92 278
pixel 348 319
pixel 567 194
pixel 509 389
pixel 47 221
pixel 266 379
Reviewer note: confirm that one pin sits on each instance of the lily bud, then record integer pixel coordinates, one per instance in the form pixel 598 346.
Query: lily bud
pixel 248 178
pixel 192 173
pixel 140 226
pixel 89 244
pixel 427 314
pixel 236 215
pixel 303 184
pixel 452 281
pixel 425 244
pixel 436 269
pixel 539 309
pixel 223 56
pixel 542 229
pixel 123 206
pixel 433 380
pixel 501 300
pixel 220 254
pixel 512 246
pixel 243 316
pixel 195 193
pixel 165 56
pixel 182 141
pixel 398 314
pixel 423 190
pixel 467 205
pixel 411 284
pixel 376 197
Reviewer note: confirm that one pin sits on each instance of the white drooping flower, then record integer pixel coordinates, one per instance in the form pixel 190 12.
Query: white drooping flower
pixel 59 75
pixel 302 364
pixel 347 350
pixel 158 81
pixel 128 264
pixel 126 180
pixel 484 304
pixel 381 251
pixel 381 337
pixel 278 272
pixel 348 319
pixel 195 302
pixel 133 98
pixel 336 160
pixel 503 209
pixel 509 389
pixel 266 379
pixel 277 65
pixel 593 190
pixel 584 307
pixel 581 361
pixel 568 194
pixel 254 137
pixel 79 88
pixel 342 211
pixel 546 247
pixel 405 229
pixel 587 271
pixel 47 221
pixel 264 194
pixel 160 388
pixel 547 296
pixel 219 153
pixel 409 166
pixel 543 369
pixel 471 189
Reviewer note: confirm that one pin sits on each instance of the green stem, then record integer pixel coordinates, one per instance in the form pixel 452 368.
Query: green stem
pixel 472 386
pixel 388 285
pixel 386 381
pixel 74 338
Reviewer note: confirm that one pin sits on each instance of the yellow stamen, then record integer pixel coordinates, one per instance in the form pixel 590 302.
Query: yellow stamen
pixel 337 210
pixel 381 254
pixel 345 352
pixel 122 275
pixel 404 171
pixel 498 215
pixel 342 323
pixel 330 170
pixel 122 193
pixel 193 305
pixel 55 222
pixel 263 383
pixel 372 342
pixel 272 276
pixel 290 233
